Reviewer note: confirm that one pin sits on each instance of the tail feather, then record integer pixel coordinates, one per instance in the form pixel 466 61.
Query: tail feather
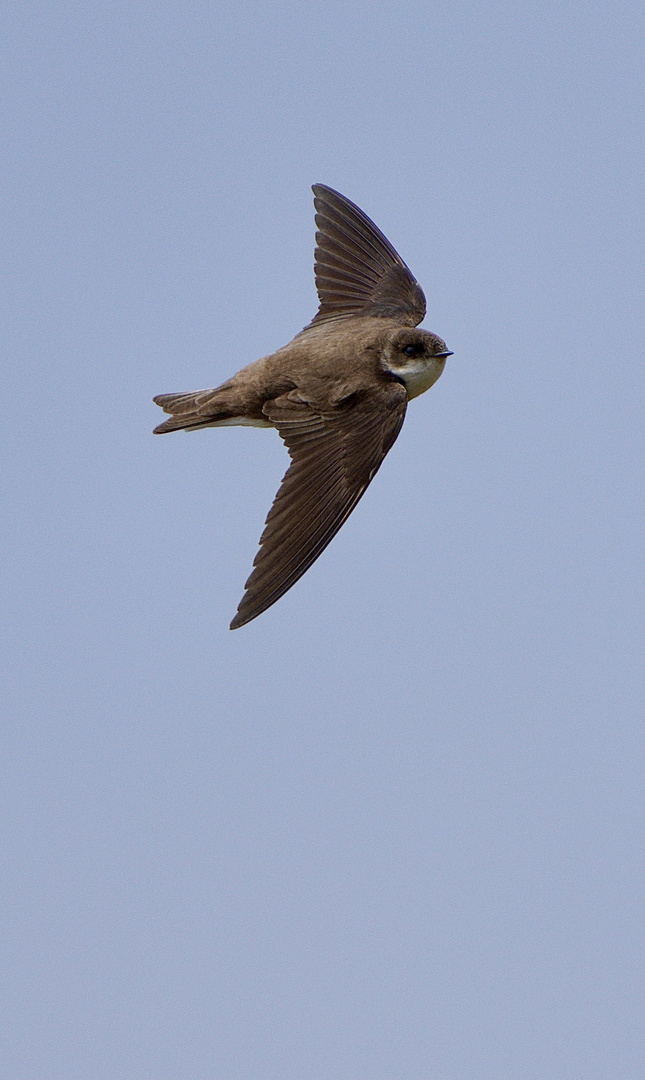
pixel 174 402
pixel 188 411
pixel 186 423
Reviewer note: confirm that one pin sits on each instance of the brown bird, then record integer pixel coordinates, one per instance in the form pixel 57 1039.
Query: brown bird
pixel 337 393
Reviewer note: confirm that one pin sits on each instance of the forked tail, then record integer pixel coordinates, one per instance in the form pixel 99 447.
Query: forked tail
pixel 189 411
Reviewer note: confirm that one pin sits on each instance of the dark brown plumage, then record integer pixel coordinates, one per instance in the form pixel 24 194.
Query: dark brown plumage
pixel 357 270
pixel 336 394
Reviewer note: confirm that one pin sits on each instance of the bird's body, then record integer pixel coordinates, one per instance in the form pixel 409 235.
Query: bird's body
pixel 337 393
pixel 334 360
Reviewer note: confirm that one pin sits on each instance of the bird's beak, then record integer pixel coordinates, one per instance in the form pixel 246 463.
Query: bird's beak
pixel 442 355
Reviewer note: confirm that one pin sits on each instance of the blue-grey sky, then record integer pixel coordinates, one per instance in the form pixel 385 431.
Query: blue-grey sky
pixel 390 829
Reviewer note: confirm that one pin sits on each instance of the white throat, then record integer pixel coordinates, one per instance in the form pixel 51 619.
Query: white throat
pixel 418 376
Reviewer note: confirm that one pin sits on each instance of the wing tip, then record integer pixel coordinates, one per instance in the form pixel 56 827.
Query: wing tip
pixel 248 610
pixel 240 620
pixel 336 200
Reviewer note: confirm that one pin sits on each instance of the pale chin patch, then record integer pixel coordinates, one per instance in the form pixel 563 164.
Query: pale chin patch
pixel 419 377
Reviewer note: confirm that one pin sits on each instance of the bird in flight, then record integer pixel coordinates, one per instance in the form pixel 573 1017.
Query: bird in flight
pixel 336 394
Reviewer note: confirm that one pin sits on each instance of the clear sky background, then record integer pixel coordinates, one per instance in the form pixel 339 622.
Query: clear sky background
pixel 391 830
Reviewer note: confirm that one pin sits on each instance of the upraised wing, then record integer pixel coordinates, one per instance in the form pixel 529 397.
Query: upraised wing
pixel 357 270
pixel 334 453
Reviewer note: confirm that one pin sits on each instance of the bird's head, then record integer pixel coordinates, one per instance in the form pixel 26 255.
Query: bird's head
pixel 416 357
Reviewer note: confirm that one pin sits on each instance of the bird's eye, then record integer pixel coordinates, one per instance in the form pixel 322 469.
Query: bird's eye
pixel 411 350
